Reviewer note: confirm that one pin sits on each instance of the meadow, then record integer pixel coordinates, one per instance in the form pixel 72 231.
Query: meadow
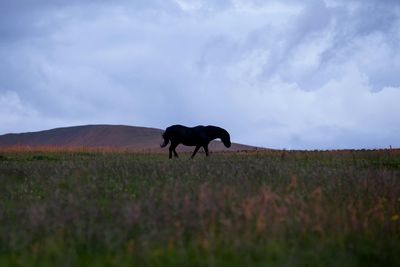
pixel 264 208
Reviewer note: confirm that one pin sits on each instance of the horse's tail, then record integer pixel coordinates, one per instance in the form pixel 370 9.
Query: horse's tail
pixel 166 139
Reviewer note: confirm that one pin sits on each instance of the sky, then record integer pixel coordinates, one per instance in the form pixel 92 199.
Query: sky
pixel 311 74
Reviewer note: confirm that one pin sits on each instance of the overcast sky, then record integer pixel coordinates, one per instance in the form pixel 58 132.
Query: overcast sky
pixel 310 74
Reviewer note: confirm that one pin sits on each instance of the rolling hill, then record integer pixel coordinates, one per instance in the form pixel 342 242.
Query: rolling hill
pixel 100 136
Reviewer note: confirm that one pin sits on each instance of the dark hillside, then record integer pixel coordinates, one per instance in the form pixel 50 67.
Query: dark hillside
pixel 112 136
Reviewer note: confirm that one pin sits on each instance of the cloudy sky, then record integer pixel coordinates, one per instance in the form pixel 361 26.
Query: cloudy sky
pixel 312 74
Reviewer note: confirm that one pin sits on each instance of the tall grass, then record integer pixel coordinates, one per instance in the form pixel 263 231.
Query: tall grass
pixel 271 208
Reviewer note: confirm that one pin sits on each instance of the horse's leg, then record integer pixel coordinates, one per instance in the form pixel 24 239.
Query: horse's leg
pixel 195 151
pixel 206 149
pixel 172 149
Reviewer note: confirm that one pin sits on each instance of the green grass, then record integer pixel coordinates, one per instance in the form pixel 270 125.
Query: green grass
pixel 275 208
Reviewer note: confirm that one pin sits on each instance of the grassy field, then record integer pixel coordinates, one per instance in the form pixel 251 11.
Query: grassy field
pixel 272 208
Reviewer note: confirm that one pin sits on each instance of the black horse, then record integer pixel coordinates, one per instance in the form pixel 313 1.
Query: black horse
pixel 199 136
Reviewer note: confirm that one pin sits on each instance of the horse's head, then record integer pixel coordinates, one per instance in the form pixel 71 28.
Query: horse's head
pixel 226 138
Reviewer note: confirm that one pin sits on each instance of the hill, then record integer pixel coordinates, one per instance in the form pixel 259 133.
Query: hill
pixel 97 136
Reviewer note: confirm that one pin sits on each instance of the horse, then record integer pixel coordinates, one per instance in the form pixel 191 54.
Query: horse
pixel 199 136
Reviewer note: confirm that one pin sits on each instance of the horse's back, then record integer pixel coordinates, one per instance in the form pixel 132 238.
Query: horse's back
pixel 189 136
pixel 184 129
pixel 177 131
pixel 175 127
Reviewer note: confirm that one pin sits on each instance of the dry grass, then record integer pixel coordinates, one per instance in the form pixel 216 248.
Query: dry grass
pixel 275 208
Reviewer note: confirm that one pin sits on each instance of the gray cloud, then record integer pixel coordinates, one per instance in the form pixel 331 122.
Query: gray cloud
pixel 311 74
